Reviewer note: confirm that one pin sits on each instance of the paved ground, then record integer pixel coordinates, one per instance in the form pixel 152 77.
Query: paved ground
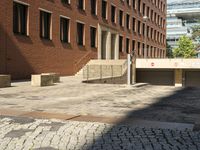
pixel 157 103
pixel 71 98
pixel 34 134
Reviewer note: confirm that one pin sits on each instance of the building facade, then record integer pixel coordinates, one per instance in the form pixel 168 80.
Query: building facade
pixel 63 35
pixel 181 17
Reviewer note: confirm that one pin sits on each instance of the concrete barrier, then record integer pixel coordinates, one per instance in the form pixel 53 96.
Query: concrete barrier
pixel 41 80
pixel 5 81
pixel 55 76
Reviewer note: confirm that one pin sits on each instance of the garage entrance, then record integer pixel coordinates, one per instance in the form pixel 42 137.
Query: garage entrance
pixel 192 78
pixel 155 77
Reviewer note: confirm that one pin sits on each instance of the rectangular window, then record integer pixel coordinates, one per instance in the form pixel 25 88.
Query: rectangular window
pixel 45 25
pixel 93 36
pixel 127 46
pixel 139 5
pixel 113 14
pixel 93 4
pixel 143 29
pixel 81 4
pixel 143 9
pixel 121 16
pixel 128 21
pixel 64 30
pixel 80 34
pixel 143 49
pixel 139 27
pixel 134 25
pixel 104 9
pixel 138 48
pixel 65 1
pixel 121 43
pixel 134 4
pixel 133 45
pixel 20 14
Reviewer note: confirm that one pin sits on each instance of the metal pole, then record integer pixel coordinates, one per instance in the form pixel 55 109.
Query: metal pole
pixel 129 73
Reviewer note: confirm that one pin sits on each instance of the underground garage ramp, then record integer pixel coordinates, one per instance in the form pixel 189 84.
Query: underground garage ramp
pixel 155 77
pixel 192 78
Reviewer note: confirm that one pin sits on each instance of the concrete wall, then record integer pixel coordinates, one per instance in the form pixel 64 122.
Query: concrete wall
pixel 168 63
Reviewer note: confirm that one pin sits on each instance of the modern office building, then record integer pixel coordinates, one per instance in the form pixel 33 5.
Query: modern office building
pixel 182 15
pixel 38 36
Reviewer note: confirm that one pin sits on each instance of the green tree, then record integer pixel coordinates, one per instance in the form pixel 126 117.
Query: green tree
pixel 169 51
pixel 196 32
pixel 185 49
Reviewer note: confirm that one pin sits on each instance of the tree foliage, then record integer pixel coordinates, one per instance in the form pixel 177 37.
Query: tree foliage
pixel 169 51
pixel 185 49
pixel 196 32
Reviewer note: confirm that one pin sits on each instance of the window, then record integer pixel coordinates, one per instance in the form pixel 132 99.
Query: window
pixel 93 4
pixel 128 2
pixel 151 15
pixel 143 9
pixel 113 14
pixel 138 48
pixel 134 4
pixel 139 5
pixel 139 27
pixel 121 16
pixel 93 36
pixel 128 21
pixel 20 14
pixel 104 9
pixel 127 45
pixel 133 45
pixel 65 1
pixel 143 29
pixel 134 25
pixel 64 30
pixel 45 25
pixel 143 49
pixel 148 12
pixel 81 4
pixel 121 43
pixel 80 34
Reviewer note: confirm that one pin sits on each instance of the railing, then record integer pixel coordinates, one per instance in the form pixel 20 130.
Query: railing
pixel 103 71
pixel 81 63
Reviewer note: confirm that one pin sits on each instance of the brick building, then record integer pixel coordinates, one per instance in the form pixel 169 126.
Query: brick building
pixel 63 35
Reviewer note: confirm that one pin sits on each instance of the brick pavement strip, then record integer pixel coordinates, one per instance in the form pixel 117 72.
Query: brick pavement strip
pixel 73 135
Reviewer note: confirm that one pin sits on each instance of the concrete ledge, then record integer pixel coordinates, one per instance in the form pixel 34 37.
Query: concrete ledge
pixel 41 80
pixel 5 81
pixel 55 76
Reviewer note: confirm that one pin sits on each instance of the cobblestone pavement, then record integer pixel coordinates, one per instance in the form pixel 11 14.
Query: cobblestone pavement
pixel 37 134
pixel 157 103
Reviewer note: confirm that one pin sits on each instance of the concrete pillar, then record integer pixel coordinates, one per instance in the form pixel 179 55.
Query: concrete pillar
pixel 117 47
pixel 99 41
pixel 133 72
pixel 108 46
pixel 178 77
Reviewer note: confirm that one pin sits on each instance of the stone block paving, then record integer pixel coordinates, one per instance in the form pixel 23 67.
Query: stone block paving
pixel 41 134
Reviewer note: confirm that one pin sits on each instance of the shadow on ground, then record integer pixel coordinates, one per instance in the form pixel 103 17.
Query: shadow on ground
pixel 184 102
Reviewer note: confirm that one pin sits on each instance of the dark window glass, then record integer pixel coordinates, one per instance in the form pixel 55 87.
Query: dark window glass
pixel 20 18
pixel 120 43
pixel 81 4
pixel 104 9
pixel 64 30
pixel 133 45
pixel 134 4
pixel 127 45
pixel 113 9
pixel 121 18
pixel 139 26
pixel 80 33
pixel 134 24
pixel 128 21
pixel 139 5
pixel 93 6
pixel 45 24
pixel 93 36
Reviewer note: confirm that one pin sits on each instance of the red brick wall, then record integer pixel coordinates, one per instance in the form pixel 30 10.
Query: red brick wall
pixel 22 56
